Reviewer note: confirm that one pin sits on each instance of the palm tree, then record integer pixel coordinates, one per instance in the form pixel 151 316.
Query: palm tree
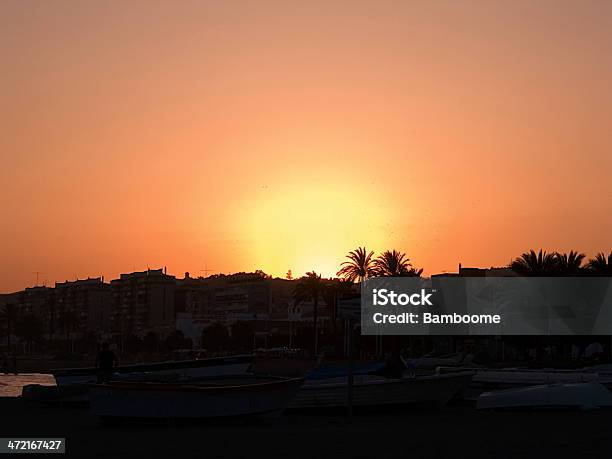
pixel 535 264
pixel 359 267
pixel 9 315
pixel 332 291
pixel 569 263
pixel 310 287
pixel 601 264
pixel 395 264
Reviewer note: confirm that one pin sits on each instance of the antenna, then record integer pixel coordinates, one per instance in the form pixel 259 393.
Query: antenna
pixel 206 270
pixel 38 273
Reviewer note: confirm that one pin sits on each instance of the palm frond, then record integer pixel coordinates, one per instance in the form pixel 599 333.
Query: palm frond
pixel 359 265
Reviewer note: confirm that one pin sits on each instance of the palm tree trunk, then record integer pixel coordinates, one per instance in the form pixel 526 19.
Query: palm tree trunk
pixel 334 313
pixel 8 336
pixel 315 319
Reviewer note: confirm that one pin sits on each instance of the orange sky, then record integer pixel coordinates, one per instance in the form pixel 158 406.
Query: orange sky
pixel 279 135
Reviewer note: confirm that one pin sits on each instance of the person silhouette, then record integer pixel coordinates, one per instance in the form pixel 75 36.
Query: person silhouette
pixel 106 360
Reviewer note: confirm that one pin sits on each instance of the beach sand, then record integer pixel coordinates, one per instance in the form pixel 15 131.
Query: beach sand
pixel 11 385
pixel 457 431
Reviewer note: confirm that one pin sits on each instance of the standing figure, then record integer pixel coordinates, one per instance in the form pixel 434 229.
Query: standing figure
pixel 106 361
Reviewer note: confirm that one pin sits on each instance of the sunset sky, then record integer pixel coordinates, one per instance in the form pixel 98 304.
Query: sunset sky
pixel 277 135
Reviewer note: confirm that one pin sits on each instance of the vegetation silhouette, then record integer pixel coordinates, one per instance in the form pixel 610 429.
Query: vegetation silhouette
pixel 310 287
pixel 9 316
pixel 541 263
pixel 30 329
pixel 392 263
pixel 69 321
pixel 600 265
pixel 534 264
pixel 332 291
pixel 569 263
pixel 57 326
pixel 360 265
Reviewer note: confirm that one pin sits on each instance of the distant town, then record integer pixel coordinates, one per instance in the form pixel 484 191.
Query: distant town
pixel 153 311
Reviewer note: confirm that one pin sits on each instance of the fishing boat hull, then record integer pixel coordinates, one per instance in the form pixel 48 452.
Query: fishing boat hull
pixel 581 396
pixel 379 392
pixel 487 380
pixel 68 394
pixel 181 369
pixel 218 398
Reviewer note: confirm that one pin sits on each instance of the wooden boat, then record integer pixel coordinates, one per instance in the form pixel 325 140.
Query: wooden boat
pixel 581 396
pixel 174 369
pixel 379 392
pixel 67 394
pixel 209 398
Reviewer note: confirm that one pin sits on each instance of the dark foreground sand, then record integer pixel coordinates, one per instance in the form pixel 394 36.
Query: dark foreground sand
pixel 457 432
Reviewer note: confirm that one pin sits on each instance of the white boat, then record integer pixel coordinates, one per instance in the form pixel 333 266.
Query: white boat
pixel 532 377
pixel 486 380
pixel 448 360
pixel 552 396
pixel 377 391
pixel 173 369
pixel 215 397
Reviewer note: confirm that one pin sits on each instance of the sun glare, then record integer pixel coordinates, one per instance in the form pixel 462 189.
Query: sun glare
pixel 305 228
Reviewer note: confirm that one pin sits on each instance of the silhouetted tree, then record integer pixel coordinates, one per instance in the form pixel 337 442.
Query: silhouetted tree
pixel 395 264
pixel 535 264
pixel 359 267
pixel 50 312
pixel 600 265
pixel 30 329
pixel 262 274
pixel 69 321
pixel 310 287
pixel 8 314
pixel 332 291
pixel 569 263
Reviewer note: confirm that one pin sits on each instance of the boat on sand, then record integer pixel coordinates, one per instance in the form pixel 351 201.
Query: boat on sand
pixel 581 396
pixel 219 397
pixel 373 391
pixel 172 369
